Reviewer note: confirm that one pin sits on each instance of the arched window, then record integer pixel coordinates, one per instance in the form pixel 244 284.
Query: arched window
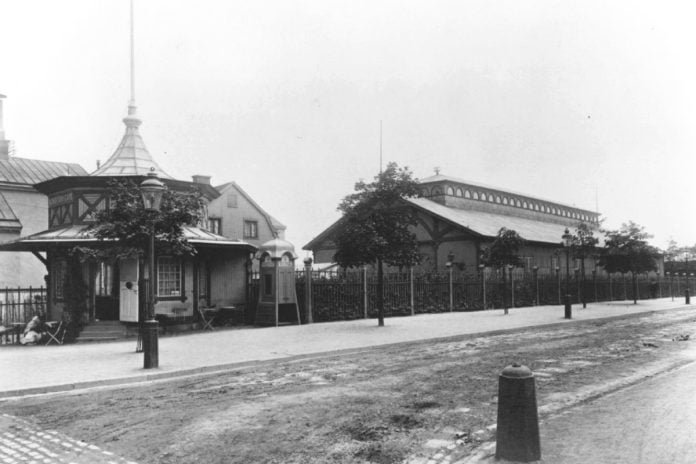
pixel 467 194
pixel 437 191
pixel 519 204
pixel 450 191
pixel 497 199
pixel 483 196
pixel 525 205
pixel 505 200
pixel 476 196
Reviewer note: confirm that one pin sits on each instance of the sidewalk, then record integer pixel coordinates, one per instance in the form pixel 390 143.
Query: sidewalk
pixel 39 369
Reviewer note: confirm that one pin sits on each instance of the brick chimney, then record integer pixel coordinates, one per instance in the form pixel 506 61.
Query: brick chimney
pixel 197 178
pixel 4 143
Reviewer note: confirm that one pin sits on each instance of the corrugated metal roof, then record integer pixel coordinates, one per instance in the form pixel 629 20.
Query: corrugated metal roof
pixel 29 171
pixel 131 157
pixel 488 224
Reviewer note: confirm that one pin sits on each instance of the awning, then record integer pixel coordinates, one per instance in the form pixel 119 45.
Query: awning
pixel 81 235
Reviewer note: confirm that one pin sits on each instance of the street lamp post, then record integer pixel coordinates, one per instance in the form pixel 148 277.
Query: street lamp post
pixel 482 269
pixel 151 190
pixel 567 242
pixel 535 270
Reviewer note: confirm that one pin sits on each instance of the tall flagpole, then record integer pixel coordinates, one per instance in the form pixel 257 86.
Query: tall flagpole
pixel 132 57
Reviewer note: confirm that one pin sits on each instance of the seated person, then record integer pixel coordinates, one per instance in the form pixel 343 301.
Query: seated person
pixel 33 332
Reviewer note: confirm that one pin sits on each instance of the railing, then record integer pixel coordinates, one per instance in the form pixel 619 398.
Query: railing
pixel 19 305
pixel 353 295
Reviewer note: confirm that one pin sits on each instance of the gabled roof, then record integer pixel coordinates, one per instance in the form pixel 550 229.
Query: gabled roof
pixel 8 219
pixel 273 222
pixel 29 171
pixel 76 235
pixel 483 224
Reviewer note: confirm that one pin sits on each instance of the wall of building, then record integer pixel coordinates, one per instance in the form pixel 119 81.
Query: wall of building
pixel 233 208
pixel 24 269
pixel 228 280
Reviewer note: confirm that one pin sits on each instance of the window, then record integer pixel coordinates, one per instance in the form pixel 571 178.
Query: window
pixel 215 225
pixel 60 270
pixel 104 279
pixel 231 200
pixel 251 229
pixel 168 277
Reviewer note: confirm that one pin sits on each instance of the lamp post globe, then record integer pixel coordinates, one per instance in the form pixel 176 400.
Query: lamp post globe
pixel 151 190
pixel 567 243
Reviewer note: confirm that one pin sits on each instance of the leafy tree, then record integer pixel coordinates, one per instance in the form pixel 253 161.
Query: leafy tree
pixel 504 252
pixel 584 246
pixel 375 227
pixel 128 224
pixel 627 250
pixel 677 257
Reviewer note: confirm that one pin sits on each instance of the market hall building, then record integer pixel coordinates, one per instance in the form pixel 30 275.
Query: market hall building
pixel 458 219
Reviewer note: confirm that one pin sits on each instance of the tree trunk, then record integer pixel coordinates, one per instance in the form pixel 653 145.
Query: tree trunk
pixel 380 294
pixel 635 287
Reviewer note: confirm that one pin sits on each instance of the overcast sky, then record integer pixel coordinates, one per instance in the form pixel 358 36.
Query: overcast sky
pixel 587 103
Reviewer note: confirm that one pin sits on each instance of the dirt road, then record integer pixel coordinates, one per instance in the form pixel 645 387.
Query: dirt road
pixel 383 405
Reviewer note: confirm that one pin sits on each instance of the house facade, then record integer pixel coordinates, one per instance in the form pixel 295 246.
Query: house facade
pixel 458 219
pixel 24 210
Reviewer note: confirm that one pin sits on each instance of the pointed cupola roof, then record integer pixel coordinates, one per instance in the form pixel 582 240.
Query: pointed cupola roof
pixel 131 158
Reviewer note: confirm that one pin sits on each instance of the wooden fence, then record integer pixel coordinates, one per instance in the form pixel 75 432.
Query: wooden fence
pixel 345 296
pixel 21 304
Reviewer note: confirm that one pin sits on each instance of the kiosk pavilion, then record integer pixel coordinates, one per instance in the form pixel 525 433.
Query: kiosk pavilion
pixel 216 275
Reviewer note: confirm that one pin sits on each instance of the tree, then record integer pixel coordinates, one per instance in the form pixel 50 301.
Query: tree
pixel 127 224
pixel 375 227
pixel 584 246
pixel 627 250
pixel 502 253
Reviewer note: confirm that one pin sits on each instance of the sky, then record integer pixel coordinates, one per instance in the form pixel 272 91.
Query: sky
pixel 589 103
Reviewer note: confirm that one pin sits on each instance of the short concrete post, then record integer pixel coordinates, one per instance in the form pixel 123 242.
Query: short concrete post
pixel 517 435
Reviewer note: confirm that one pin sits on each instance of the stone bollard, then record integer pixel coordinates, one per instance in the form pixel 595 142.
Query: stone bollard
pixel 517 435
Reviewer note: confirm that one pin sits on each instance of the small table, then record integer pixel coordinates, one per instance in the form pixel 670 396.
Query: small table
pixel 231 315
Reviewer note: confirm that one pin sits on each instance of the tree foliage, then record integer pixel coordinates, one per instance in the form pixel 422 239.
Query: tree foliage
pixel 375 227
pixel 376 222
pixel 584 242
pixel 627 250
pixel 128 224
pixel 504 250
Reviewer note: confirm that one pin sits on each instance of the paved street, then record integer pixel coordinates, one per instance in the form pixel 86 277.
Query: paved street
pixel 653 422
pixel 24 443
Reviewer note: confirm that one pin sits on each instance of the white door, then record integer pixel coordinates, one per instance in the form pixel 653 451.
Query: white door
pixel 128 290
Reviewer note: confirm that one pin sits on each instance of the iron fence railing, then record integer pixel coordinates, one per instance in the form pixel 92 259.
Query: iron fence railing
pixel 19 305
pixel 339 295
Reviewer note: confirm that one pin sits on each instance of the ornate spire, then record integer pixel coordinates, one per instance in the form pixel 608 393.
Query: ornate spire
pixel 131 158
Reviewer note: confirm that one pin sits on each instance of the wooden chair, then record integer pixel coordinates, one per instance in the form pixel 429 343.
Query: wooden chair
pixel 56 332
pixel 207 317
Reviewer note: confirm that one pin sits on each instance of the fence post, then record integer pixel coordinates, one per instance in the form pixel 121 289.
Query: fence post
pixel 535 271
pixel 365 290
pixel 482 268
pixel 308 288
pixel 451 295
pixel 413 306
pixel 512 287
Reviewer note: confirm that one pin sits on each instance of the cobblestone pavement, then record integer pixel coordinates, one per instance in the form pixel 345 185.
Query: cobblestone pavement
pixel 22 442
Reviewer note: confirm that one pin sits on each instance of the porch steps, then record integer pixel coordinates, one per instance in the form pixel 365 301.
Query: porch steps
pixel 102 331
